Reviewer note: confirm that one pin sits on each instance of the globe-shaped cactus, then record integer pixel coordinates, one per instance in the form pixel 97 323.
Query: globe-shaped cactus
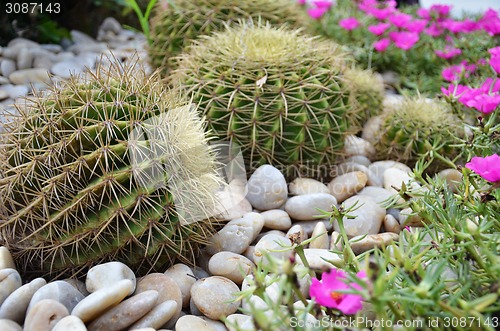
pixel 277 93
pixel 175 24
pixel 413 127
pixel 110 166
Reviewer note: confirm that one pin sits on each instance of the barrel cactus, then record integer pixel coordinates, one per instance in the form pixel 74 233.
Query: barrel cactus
pixel 410 128
pixel 276 93
pixel 110 166
pixel 175 24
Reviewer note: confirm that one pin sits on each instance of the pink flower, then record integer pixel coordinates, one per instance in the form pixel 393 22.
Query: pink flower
pixel 378 29
pixel 349 23
pixel 366 5
pixel 495 63
pixel 400 20
pixel 495 51
pixel 454 72
pixel 381 13
pixel 404 40
pixel 441 10
pixel 316 13
pixel 424 13
pixel 487 167
pixel 322 4
pixel 301 2
pixel 434 30
pixel 382 44
pixel 325 292
pixel 416 26
pixel 485 103
pixel 490 85
pixel 454 90
pixel 449 52
pixel 465 26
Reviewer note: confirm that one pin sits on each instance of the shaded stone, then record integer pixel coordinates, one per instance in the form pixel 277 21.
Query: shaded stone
pixel 319 237
pixel 125 313
pixel 215 296
pixel 97 302
pixel 10 280
pixel 157 317
pixel 70 323
pixel 276 219
pixel 305 207
pixel 372 241
pixel 230 265
pixel 301 186
pixel 345 186
pixel 365 219
pixel 185 278
pixel 106 274
pixel 44 315
pixel 267 188
pixel 15 306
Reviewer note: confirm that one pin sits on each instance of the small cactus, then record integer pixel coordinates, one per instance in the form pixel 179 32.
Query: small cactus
pixel 410 128
pixel 110 166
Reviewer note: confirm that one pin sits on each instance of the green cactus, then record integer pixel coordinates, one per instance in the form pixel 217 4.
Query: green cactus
pixel 174 26
pixel 110 166
pixel 277 93
pixel 413 127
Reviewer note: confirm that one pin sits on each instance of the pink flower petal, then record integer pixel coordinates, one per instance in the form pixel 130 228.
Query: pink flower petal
pixel 382 44
pixel 349 23
pixel 322 4
pixel 316 13
pixel 487 167
pixel 378 29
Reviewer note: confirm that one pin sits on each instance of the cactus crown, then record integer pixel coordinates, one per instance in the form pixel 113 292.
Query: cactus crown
pixel 110 166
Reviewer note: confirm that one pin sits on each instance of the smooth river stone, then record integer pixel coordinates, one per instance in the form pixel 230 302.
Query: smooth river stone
pixel 379 194
pixel 267 188
pixel 358 146
pixel 319 237
pixel 215 297
pixel 237 234
pixel 309 226
pixel 106 274
pixel 59 291
pixel 157 317
pixel 10 280
pixel 192 323
pixel 216 325
pixel 8 325
pixel 372 241
pixel 95 303
pixel 391 224
pixel 15 306
pixel 305 207
pixel 377 170
pixel 236 322
pixel 276 219
pixel 27 76
pixel 70 323
pixel 276 246
pixel 394 179
pixel 166 287
pixel 366 218
pixel 301 186
pixel 125 313
pixel 408 218
pixel 6 261
pixel 347 167
pixel 345 186
pixel 230 265
pixel 184 277
pixel 453 178
pixel 44 315
pixel 320 259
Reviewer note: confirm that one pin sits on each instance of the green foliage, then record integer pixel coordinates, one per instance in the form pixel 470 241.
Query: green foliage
pixel 441 276
pixel 279 94
pixel 107 166
pixel 174 26
pixel 418 69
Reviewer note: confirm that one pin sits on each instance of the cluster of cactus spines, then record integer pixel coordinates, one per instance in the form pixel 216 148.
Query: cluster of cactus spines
pixel 366 91
pixel 275 92
pixel 413 127
pixel 108 167
pixel 174 26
